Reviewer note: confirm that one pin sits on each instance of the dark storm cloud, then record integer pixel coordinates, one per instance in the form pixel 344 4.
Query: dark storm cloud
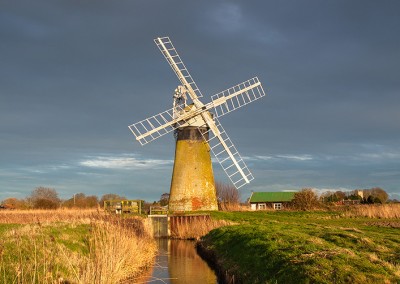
pixel 74 74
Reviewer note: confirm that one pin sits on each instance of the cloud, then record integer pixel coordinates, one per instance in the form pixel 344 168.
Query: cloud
pixel 227 17
pixel 394 195
pixel 44 169
pixel 296 157
pixel 123 162
pixel 304 157
pixel 319 191
pixel 386 174
pixel 381 156
pixel 264 158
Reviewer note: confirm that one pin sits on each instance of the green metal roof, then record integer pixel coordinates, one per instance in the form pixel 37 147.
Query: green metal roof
pixel 271 196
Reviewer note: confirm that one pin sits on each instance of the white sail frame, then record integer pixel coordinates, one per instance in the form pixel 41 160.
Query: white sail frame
pixel 222 103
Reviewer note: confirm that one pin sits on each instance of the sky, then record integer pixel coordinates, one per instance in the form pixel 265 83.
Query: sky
pixel 74 75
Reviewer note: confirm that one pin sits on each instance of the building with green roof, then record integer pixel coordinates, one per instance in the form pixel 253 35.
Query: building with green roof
pixel 270 200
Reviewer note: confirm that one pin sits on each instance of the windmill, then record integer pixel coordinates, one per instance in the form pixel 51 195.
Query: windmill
pixel 198 131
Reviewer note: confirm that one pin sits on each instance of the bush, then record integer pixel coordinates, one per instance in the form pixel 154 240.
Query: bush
pixel 44 198
pixel 306 199
pixel 43 203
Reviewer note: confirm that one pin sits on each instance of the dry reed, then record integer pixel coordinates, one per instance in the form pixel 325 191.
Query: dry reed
pixel 196 227
pixel 47 216
pixel 233 207
pixel 381 211
pixel 117 252
pixel 116 249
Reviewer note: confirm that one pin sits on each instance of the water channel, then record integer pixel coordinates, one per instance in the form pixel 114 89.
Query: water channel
pixel 177 262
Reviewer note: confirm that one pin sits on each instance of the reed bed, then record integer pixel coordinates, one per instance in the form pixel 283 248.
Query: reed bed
pixel 47 216
pixel 227 206
pixel 105 250
pixel 196 228
pixel 381 211
pixel 117 253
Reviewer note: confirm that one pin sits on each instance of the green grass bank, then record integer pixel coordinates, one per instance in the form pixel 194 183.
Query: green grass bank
pixel 305 247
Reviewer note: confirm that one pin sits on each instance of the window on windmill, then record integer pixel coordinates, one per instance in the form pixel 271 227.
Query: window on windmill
pixel 277 206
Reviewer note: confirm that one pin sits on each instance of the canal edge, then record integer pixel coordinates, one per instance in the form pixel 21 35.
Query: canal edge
pixel 208 255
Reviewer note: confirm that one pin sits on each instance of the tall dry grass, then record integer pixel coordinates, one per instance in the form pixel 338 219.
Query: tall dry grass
pixel 118 252
pixel 196 227
pixel 227 206
pixel 112 251
pixel 48 216
pixel 382 211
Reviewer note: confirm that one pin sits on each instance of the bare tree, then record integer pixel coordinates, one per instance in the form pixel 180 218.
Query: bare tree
pixel 380 194
pixel 110 196
pixel 306 199
pixel 44 198
pixel 340 195
pixel 228 196
pixel 375 195
pixel 80 200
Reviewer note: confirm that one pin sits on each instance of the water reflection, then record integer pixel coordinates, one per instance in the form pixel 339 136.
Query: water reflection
pixel 177 262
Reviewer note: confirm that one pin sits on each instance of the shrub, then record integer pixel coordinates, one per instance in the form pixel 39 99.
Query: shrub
pixel 306 199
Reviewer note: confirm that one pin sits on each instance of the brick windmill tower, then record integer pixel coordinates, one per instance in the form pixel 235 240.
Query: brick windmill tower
pixel 198 131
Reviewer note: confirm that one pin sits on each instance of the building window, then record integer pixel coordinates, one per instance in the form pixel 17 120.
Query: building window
pixel 262 206
pixel 277 206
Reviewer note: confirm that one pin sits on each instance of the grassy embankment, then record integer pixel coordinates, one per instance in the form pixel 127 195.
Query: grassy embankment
pixel 71 246
pixel 361 245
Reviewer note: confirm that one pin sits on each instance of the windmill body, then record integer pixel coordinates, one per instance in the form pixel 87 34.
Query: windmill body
pixel 198 132
pixel 192 184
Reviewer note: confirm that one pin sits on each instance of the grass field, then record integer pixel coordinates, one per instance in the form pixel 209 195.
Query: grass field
pixel 72 246
pixel 350 245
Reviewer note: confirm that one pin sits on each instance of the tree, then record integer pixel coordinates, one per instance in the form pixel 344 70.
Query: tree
pixel 43 203
pixel 14 203
pixel 44 198
pixel 340 195
pixel 164 199
pixel 370 200
pixel 228 196
pixel 110 196
pixel 354 196
pixel 375 195
pixel 379 195
pixel 306 199
pixel 92 201
pixel 326 196
pixel 80 200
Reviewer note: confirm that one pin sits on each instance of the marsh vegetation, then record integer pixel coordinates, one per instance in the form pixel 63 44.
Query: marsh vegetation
pixel 72 246
pixel 339 244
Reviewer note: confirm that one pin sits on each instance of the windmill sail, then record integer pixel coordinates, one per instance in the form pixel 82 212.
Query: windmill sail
pixel 227 155
pixel 174 60
pixel 158 125
pixel 237 96
pixel 198 113
pixel 222 103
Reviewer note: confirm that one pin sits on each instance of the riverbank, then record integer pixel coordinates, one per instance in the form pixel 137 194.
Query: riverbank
pixel 304 247
pixel 72 247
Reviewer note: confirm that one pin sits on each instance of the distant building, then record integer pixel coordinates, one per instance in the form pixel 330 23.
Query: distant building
pixel 270 200
pixel 359 193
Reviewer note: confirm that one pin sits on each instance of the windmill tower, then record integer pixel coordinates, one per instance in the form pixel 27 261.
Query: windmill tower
pixel 197 131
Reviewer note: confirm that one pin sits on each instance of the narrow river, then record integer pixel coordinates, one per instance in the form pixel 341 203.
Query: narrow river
pixel 177 262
